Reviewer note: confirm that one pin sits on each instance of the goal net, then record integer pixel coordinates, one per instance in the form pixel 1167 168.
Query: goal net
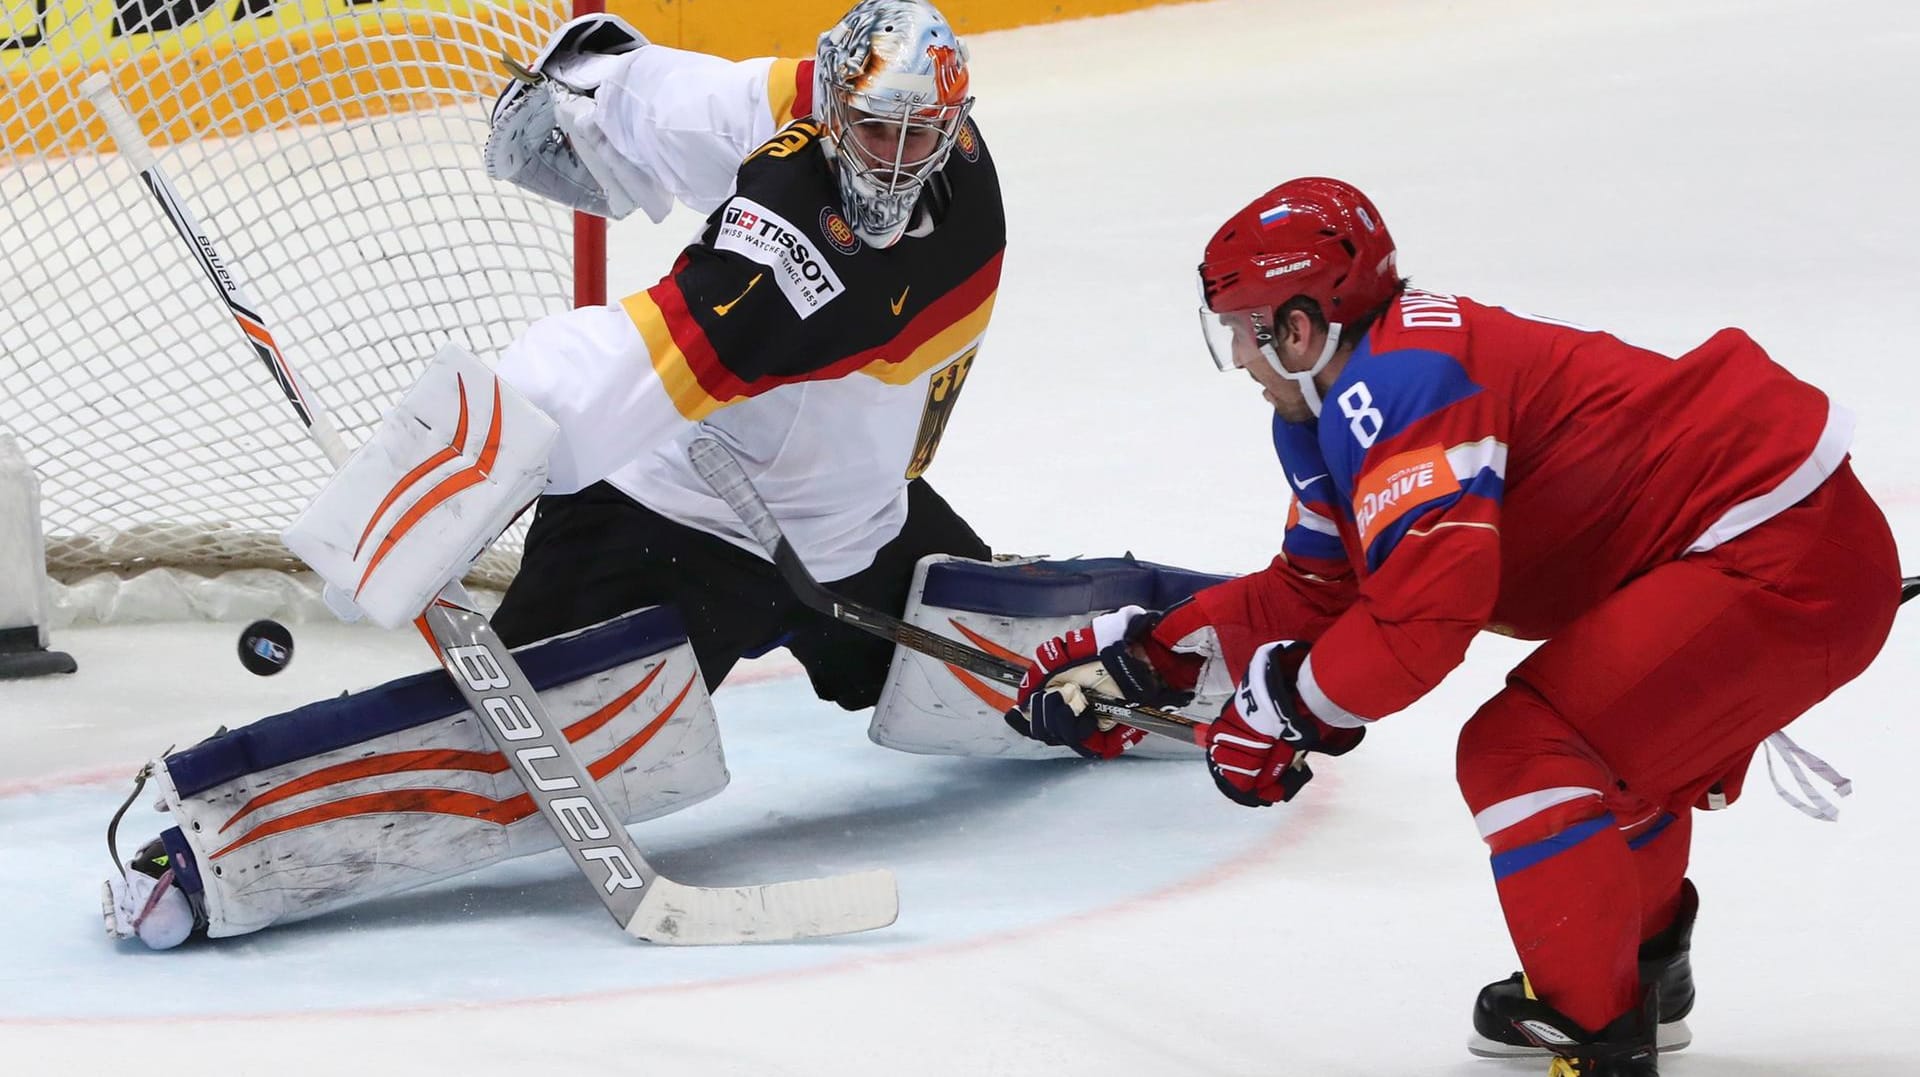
pixel 332 148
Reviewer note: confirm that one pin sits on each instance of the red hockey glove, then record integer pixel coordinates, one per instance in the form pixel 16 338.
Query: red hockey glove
pixel 1254 748
pixel 1104 657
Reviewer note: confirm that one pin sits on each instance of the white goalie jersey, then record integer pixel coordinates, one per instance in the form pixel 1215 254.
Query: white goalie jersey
pixel 639 125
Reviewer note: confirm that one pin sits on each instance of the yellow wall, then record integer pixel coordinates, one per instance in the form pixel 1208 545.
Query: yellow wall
pixel 314 60
pixel 324 60
pixel 738 30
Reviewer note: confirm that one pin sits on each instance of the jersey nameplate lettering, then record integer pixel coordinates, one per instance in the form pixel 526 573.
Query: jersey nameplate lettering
pixel 753 230
pixel 1429 310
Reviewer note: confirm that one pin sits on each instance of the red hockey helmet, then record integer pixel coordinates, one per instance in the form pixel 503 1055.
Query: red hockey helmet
pixel 1313 237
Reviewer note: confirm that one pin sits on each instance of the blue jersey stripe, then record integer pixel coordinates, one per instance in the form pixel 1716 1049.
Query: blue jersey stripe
pixel 1526 856
pixel 1665 821
pixel 1301 542
pixel 1385 542
pixel 1483 484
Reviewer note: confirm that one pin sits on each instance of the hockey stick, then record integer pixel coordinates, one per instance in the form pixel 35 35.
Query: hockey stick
pixel 646 904
pixel 723 473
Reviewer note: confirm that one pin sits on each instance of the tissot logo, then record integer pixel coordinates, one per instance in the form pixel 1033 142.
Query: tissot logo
pixel 751 229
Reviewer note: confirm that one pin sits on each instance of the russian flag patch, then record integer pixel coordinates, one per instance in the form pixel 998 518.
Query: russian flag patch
pixel 1274 216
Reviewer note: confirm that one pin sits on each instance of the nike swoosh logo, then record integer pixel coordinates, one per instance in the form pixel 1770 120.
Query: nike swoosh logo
pixel 900 303
pixel 723 308
pixel 1301 484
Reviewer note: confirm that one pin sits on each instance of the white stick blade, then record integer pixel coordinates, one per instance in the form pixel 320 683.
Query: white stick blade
pixel 676 914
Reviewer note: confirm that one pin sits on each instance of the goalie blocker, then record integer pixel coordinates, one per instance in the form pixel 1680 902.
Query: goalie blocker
pixel 392 788
pixel 1009 608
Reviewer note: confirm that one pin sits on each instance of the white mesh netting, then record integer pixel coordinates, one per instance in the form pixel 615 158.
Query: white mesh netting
pixel 332 149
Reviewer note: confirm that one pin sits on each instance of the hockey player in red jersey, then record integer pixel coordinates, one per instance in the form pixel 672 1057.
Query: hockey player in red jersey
pixel 1686 535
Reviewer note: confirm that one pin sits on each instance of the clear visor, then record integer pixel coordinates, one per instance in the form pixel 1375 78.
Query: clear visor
pixel 1234 339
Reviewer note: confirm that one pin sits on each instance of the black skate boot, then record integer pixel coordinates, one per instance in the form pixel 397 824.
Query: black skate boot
pixel 1622 1049
pixel 1664 961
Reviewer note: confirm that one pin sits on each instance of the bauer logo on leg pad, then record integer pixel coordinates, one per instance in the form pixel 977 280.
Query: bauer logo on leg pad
pixel 483 672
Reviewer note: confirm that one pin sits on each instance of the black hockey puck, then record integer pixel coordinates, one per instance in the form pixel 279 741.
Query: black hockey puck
pixel 265 647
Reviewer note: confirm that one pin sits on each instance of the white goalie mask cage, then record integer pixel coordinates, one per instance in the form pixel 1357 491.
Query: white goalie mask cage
pixel 891 86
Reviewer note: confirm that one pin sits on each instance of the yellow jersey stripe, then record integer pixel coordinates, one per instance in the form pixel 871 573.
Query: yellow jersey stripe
pixel 783 91
pixel 669 363
pixel 938 349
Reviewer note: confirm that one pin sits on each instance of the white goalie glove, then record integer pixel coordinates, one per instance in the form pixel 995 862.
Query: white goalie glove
pixel 543 137
pixel 448 468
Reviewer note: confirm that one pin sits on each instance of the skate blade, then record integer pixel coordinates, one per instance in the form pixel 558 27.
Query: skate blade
pixel 1672 1036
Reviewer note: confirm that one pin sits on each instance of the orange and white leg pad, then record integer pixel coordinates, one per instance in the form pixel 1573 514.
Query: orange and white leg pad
pixel 447 469
pixel 355 798
pixel 1010 608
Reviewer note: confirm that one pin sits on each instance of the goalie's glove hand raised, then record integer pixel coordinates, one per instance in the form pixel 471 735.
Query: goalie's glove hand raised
pixel 543 134
pixel 1051 705
pixel 1256 748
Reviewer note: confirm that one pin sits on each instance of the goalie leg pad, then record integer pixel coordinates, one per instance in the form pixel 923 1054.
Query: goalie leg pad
pixel 1010 608
pixel 398 786
pixel 447 469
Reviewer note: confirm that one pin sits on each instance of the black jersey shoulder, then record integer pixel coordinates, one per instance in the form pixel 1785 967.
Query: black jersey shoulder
pixel 780 285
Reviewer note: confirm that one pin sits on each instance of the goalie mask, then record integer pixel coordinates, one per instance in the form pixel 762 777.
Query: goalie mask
pixel 892 94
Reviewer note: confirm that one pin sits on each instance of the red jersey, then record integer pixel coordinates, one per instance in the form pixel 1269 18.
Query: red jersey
pixel 1476 468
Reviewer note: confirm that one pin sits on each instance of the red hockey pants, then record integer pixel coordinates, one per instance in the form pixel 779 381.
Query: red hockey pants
pixel 1582 772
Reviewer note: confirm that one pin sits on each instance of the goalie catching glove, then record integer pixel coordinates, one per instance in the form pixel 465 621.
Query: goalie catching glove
pixel 543 137
pixel 447 469
pixel 1254 748
pixel 1113 656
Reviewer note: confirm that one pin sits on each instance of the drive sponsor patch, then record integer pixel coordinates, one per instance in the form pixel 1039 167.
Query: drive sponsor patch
pixel 1403 482
pixel 753 230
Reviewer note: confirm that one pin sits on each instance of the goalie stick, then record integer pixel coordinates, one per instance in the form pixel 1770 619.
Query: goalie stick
pixel 646 904
pixel 729 480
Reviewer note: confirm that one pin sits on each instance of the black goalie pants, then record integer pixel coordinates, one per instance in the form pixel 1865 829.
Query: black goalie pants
pixel 598 553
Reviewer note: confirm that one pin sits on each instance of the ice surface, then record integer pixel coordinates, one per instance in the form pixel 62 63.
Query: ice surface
pixel 1658 168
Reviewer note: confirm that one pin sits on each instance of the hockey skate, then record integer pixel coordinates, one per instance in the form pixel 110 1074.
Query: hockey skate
pixel 1622 1049
pixel 1664 962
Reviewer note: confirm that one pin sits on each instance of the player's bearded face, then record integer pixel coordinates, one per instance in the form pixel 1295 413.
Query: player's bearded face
pixel 1242 339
